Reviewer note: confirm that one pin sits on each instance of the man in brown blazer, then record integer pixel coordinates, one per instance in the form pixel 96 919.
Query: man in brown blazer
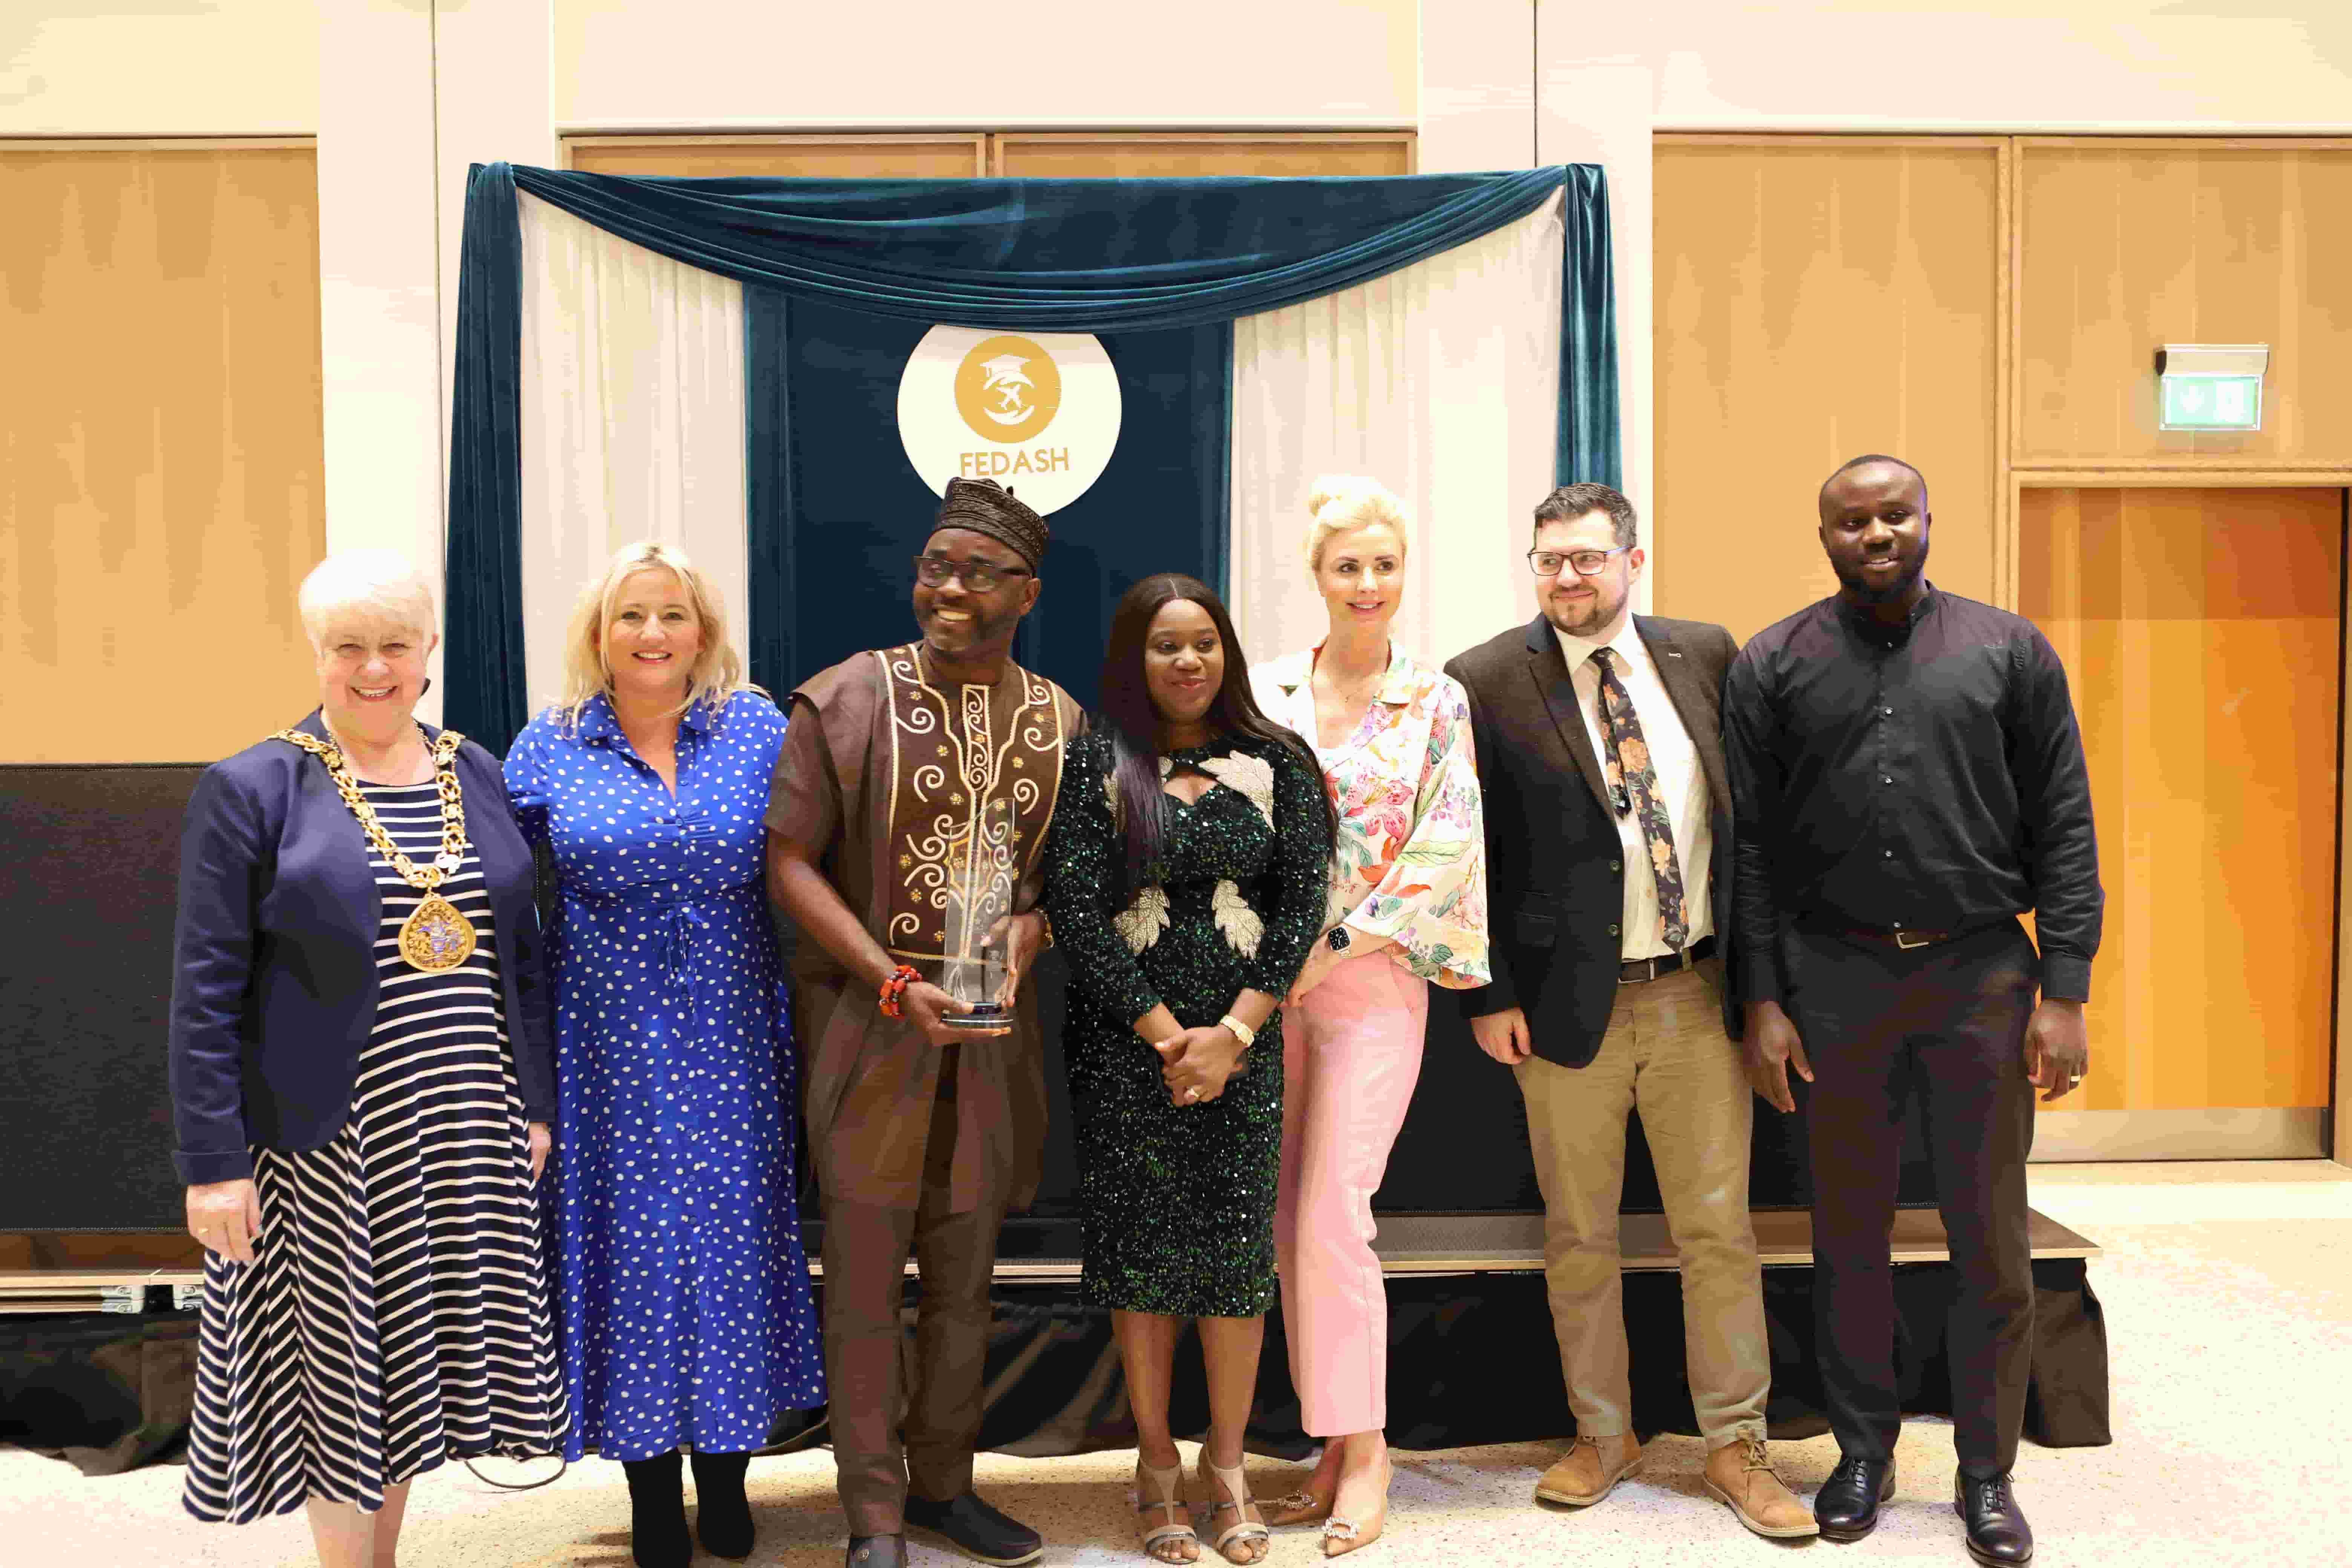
pixel 1609 837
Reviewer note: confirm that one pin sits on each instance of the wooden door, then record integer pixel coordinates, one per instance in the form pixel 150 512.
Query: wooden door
pixel 2201 630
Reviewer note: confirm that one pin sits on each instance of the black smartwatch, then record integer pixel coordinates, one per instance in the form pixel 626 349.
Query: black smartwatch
pixel 1338 939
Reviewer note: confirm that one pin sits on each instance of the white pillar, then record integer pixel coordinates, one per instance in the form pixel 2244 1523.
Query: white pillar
pixel 379 319
pixel 1597 109
pixel 1477 86
pixel 494 66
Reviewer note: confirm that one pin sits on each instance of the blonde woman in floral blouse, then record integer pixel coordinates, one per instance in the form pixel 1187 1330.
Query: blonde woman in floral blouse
pixel 1407 909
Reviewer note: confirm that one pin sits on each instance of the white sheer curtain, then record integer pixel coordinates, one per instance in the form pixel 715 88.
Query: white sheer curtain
pixel 632 421
pixel 1441 381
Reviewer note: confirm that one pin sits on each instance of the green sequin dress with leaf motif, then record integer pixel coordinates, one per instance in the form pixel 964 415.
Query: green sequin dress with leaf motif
pixel 1177 1201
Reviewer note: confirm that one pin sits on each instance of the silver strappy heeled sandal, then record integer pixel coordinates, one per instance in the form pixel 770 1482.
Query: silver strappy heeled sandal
pixel 1169 1486
pixel 1235 1488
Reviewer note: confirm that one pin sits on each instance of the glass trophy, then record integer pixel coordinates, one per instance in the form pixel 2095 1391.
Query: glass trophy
pixel 973 973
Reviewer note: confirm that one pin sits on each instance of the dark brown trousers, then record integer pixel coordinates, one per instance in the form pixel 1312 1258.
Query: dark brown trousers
pixel 894 1426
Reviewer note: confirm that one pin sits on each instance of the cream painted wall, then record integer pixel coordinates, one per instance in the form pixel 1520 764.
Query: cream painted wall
pixel 1993 65
pixel 1049 63
pixel 159 67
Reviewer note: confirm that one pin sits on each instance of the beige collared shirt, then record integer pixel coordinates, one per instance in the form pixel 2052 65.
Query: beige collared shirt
pixel 1681 785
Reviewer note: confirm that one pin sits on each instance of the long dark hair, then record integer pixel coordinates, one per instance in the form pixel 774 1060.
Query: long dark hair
pixel 1133 724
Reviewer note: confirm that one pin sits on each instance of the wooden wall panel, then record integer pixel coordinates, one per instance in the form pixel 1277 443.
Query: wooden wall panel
pixel 1130 155
pixel 2201 629
pixel 161 447
pixel 1026 154
pixel 1818 299
pixel 2125 247
pixel 944 156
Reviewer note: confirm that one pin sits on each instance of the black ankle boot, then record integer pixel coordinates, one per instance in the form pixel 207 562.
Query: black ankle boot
pixel 722 1515
pixel 657 1537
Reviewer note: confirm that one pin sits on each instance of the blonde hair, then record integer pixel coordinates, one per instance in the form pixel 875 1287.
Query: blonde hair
pixel 375 583
pixel 718 672
pixel 1341 503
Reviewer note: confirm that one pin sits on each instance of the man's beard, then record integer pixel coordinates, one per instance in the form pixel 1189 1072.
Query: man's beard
pixel 1590 615
pixel 978 634
pixel 1857 584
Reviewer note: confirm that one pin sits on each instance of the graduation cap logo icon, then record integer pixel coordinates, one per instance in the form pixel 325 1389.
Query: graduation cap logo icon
pixel 1008 389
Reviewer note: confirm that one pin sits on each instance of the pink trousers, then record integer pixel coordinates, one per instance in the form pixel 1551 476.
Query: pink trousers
pixel 1349 1055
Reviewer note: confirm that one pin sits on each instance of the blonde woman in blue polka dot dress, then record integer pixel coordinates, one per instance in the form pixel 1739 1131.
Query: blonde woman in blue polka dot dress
pixel 685 1294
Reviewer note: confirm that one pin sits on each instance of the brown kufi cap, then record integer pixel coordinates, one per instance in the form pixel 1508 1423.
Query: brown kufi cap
pixel 986 507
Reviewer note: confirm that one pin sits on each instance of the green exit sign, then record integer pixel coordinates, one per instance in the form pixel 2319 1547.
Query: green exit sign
pixel 2213 402
pixel 2211 386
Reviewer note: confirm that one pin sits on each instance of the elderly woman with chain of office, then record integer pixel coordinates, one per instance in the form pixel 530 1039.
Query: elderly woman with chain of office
pixel 361 1086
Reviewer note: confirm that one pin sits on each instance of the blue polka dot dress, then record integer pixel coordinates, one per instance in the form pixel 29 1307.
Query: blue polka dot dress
pixel 685 1294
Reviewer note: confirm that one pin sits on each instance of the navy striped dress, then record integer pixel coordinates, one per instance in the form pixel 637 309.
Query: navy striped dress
pixel 397 1313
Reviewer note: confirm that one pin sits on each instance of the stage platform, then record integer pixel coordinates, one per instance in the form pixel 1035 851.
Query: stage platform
pixel 99 1365
pixel 1430 1245
pixel 1046 1251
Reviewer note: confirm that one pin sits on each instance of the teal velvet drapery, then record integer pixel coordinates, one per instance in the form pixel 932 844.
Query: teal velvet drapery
pixel 1074 255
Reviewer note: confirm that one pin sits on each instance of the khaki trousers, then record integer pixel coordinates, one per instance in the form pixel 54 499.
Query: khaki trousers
pixel 866 1251
pixel 1664 1053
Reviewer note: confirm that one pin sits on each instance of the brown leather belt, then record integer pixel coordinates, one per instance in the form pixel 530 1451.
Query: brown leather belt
pixel 1645 969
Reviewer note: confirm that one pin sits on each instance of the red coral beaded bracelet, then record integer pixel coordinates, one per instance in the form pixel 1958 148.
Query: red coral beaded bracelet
pixel 895 987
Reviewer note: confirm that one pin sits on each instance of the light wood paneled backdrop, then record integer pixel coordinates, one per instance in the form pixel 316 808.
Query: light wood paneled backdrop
pixel 947 155
pixel 161 447
pixel 2125 246
pixel 1819 298
pixel 1990 309
pixel 2201 629
pixel 1168 154
pixel 1057 154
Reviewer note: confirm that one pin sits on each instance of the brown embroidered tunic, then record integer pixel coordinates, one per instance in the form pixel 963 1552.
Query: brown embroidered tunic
pixel 928 799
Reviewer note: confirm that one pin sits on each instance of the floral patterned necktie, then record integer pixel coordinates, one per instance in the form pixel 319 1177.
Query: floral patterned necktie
pixel 1633 784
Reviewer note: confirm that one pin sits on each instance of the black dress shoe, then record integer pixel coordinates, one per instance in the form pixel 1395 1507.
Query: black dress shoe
pixel 1999 1536
pixel 976 1530
pixel 1846 1508
pixel 657 1537
pixel 722 1515
pixel 877 1552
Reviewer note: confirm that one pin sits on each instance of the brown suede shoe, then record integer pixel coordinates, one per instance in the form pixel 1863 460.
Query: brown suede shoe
pixel 1590 1469
pixel 1741 1476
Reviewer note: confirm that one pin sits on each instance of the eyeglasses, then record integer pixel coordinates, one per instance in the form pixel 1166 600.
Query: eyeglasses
pixel 933 571
pixel 1587 562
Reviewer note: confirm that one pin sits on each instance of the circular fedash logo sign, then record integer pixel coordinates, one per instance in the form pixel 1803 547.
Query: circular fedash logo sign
pixel 1038 412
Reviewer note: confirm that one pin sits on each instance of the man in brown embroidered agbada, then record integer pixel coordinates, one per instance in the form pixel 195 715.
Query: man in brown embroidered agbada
pixel 917 783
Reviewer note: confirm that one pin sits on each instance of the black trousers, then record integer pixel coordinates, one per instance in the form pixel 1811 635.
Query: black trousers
pixel 1948 1022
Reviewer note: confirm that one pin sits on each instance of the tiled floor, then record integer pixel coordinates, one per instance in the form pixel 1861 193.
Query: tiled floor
pixel 2228 1291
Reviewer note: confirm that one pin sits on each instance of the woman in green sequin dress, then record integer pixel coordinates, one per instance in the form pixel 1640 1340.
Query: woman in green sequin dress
pixel 1185 876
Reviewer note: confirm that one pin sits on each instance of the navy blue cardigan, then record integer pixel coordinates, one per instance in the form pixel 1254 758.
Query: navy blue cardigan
pixel 274 989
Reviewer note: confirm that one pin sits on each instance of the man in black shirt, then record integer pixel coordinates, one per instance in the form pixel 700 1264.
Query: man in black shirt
pixel 1907 779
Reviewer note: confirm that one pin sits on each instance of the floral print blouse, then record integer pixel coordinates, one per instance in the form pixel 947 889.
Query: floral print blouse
pixel 1411 860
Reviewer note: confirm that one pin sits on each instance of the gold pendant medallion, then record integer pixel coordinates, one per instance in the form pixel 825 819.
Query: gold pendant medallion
pixel 435 937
